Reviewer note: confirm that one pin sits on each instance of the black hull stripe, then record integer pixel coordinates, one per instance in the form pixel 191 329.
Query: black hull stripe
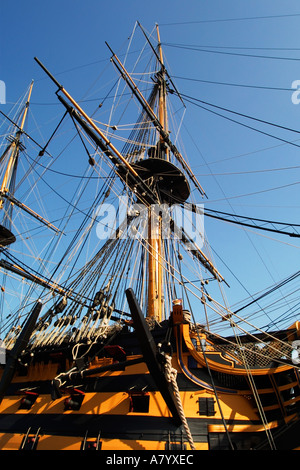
pixel 113 384
pixel 111 426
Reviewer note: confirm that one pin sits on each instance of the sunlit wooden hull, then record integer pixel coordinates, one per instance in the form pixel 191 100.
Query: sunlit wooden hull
pixel 125 409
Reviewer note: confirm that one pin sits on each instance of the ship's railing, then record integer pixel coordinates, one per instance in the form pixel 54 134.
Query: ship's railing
pixel 256 354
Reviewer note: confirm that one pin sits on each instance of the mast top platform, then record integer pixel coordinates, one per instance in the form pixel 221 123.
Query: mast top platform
pixel 164 178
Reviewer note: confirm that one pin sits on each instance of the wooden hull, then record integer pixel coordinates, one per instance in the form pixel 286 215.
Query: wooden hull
pixel 125 410
pixel 130 397
pixel 110 410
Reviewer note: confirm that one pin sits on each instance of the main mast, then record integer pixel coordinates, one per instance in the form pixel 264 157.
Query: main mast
pixel 155 267
pixel 153 178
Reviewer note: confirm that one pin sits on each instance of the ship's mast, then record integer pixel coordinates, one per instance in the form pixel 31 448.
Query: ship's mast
pixel 14 149
pixel 162 90
pixel 11 154
pixel 155 245
pixel 154 180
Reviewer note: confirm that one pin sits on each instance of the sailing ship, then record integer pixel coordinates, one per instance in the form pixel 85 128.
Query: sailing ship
pixel 123 349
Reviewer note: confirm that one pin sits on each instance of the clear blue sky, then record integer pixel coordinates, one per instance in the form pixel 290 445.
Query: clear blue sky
pixel 231 161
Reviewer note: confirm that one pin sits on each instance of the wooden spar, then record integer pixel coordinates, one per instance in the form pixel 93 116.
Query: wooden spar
pixel 160 58
pixel 150 355
pixel 123 168
pixel 197 252
pixel 143 192
pixel 155 120
pixel 155 274
pixel 26 107
pixel 162 89
pixel 14 151
pixel 29 211
pixel 154 239
pixel 155 301
pixel 134 88
pixel 69 293
pixel 89 120
pixel 32 277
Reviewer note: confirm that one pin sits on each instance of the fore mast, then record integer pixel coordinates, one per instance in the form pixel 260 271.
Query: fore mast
pixel 11 156
pixel 8 166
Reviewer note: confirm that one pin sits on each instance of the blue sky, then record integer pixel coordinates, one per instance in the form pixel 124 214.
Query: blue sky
pixel 239 168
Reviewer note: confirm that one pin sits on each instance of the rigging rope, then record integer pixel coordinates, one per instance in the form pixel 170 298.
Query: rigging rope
pixel 256 396
pixel 211 378
pixel 171 375
pixel 252 383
